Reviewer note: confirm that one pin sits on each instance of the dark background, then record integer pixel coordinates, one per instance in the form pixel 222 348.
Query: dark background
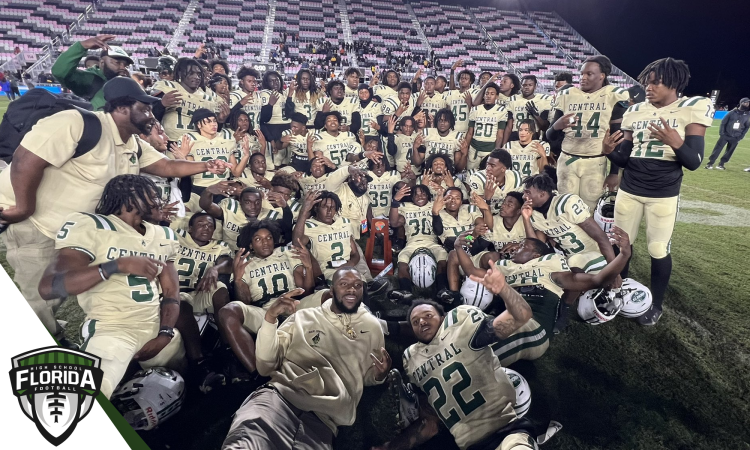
pixel 713 37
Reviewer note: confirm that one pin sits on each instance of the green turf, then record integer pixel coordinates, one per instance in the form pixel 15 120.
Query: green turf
pixel 682 385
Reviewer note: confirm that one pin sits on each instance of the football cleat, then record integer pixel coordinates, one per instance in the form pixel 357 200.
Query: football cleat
pixel 651 318
pixel 401 296
pixel 405 395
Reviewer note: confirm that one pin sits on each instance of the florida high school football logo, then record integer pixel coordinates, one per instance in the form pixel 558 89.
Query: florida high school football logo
pixel 56 388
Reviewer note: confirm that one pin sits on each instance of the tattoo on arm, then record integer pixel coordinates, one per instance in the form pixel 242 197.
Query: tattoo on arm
pixel 517 313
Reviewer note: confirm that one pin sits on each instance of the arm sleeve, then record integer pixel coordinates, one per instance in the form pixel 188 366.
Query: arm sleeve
pixel 690 154
pixel 158 109
pixel 555 137
pixel 485 334
pixel 66 70
pixel 614 169
pixel 356 123
pixel 621 154
pixel 320 120
pixel 287 221
pixel 288 107
pixel 437 224
pixel 266 111
pixel 617 111
pixel 392 149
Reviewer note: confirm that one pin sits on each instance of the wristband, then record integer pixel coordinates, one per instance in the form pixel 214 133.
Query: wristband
pixel 395 203
pixel 170 301
pixel 166 331
pixel 58 286
pixel 101 273
pixel 109 268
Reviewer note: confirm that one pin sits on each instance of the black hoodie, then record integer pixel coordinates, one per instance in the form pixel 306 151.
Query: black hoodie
pixel 735 124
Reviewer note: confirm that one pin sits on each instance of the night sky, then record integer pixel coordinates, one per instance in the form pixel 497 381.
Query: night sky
pixel 713 37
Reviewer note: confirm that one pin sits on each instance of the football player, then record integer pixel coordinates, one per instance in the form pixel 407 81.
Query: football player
pixel 321 171
pixel 328 235
pixel 380 187
pixel 208 144
pixel 186 99
pixel 529 155
pixel 119 293
pixel 201 262
pixel 294 140
pixel 486 127
pixel 528 105
pixel 247 97
pixel 383 92
pixel 273 119
pixel 302 96
pixel 441 84
pixel 415 215
pixel 439 175
pixel 497 179
pixel 401 144
pixel 348 108
pixel 540 275
pixel 582 116
pixel 263 272
pixel 400 105
pixel 429 100
pixel 442 140
pixel 332 142
pixel 369 110
pixel 460 100
pixel 478 411
pixel 453 217
pixel 659 137
pixel 235 214
pixel 352 87
pixel 510 85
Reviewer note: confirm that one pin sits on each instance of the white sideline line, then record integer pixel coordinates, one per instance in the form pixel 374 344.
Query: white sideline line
pixel 734 199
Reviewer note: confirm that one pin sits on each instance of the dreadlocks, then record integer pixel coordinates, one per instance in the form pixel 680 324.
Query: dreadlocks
pixel 314 91
pixel 325 195
pixel 672 73
pixel 132 192
pixel 544 181
pixel 287 180
pixel 245 238
pixel 605 65
pixel 182 68
pixel 266 84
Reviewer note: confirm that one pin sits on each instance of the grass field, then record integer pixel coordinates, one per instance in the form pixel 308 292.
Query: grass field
pixel 684 384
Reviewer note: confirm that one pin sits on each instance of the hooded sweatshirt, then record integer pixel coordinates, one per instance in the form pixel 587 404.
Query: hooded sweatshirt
pixel 315 366
pixel 735 124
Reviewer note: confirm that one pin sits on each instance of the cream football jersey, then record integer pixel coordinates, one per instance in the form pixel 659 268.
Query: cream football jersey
pixel 235 219
pixel 252 107
pixel 346 108
pixel 193 259
pixel 525 157
pixel 384 92
pixel 298 144
pixel 390 106
pixel 327 182
pixel 486 122
pixel 418 222
pixel 369 114
pixel 380 189
pixel 447 145
pixel 278 116
pixel 330 245
pixel 678 115
pixel 176 120
pixel 466 386
pixel 501 236
pixel 565 212
pixel 337 147
pixel 513 181
pixel 202 148
pixel 517 106
pixel 537 272
pixel 404 147
pixel 305 106
pixel 453 226
pixel 432 105
pixel 123 298
pixel 456 101
pixel 268 278
pixel 594 111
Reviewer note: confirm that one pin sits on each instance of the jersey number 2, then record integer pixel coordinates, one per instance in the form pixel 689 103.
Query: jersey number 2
pixel 477 399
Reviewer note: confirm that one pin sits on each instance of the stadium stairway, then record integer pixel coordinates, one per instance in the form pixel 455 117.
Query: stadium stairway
pixel 182 26
pixel 265 50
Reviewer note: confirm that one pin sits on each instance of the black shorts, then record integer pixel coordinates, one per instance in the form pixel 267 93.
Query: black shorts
pixel 272 132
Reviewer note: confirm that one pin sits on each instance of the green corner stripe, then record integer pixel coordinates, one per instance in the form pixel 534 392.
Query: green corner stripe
pixel 128 433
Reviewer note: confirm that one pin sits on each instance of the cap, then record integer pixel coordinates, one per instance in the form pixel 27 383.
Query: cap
pixel 117 52
pixel 125 87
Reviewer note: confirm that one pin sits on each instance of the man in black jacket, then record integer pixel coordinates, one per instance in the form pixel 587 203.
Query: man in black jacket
pixel 733 128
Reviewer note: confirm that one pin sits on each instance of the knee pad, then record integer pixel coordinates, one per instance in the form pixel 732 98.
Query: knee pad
pixel 658 249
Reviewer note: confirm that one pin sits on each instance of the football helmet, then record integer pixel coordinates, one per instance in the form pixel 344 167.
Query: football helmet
pixel 523 392
pixel 475 294
pixel 636 298
pixel 150 397
pixel 597 306
pixel 423 268
pixel 604 214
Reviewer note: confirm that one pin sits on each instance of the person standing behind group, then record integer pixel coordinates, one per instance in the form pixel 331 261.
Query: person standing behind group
pixel 732 130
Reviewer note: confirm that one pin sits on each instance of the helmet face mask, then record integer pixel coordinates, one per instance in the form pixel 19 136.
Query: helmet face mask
pixel 597 306
pixel 522 404
pixel 423 268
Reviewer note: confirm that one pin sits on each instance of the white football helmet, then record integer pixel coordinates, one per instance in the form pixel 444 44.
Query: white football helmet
pixel 597 306
pixel 636 298
pixel 150 397
pixel 604 214
pixel 523 392
pixel 475 294
pixel 423 268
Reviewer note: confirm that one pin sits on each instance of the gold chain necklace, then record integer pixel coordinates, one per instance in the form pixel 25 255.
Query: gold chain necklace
pixel 350 333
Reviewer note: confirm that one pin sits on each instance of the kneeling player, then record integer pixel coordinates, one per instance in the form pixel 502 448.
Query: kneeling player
pixel 262 273
pixel 125 318
pixel 415 215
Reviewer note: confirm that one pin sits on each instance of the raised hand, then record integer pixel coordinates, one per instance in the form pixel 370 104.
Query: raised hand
pixel 611 141
pixel 489 187
pixel 303 254
pixel 403 192
pixel 391 124
pixel 311 199
pixel 479 202
pixel 241 260
pixel 327 106
pixel 493 280
pixel 527 210
pixel 382 364
pixel 665 134
pixel 284 304
pixel 273 97
pixel 566 121
pixel 457 64
pixel 171 99
pixel 438 204
pixel 97 42
pixel 292 88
